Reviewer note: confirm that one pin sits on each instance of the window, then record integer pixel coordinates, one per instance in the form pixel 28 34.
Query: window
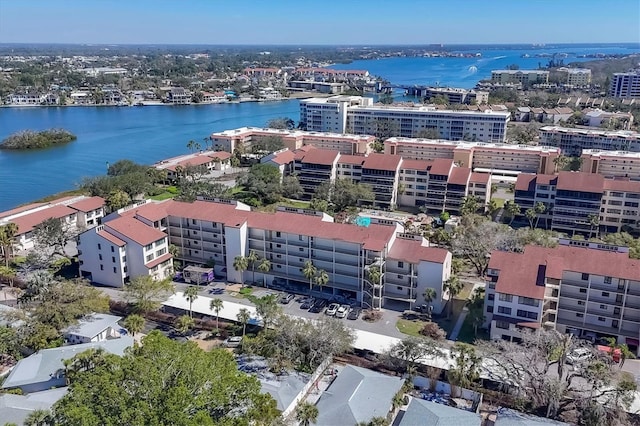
pixel 491 297
pixel 99 257
pixel 490 309
pixel 400 276
pixel 502 324
pixel 148 246
pixel 527 314
pixel 125 269
pixel 113 259
pixel 400 264
pixel 112 249
pixel 398 287
pixel 607 280
pixel 504 310
pixel 193 221
pixel 579 315
pixel 505 297
pixel 605 294
pixel 527 301
pixel 603 307
pixel 301 249
pixel 616 311
pixel 161 252
pixel 278 234
pixel 102 267
pixel 149 257
pixel 601 319
pixel 585 277
pixel 114 269
pixel 99 246
pixel 580 302
pixel 583 290
pixel 124 259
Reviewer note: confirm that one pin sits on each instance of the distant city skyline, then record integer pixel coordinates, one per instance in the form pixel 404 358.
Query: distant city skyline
pixel 349 22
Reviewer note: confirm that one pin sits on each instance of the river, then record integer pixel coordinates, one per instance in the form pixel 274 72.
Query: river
pixel 107 134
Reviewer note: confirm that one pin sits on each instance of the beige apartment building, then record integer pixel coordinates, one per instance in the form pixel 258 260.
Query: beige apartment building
pixel 623 164
pixel 524 77
pixel 572 140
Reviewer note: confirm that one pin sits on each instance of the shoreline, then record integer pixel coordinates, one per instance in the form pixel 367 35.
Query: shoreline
pixel 291 97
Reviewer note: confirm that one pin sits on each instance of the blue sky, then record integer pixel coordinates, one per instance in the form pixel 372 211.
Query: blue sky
pixel 319 22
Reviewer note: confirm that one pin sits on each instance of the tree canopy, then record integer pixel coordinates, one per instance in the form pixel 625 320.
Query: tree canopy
pixel 29 139
pixel 163 382
pixel 343 193
pixel 264 182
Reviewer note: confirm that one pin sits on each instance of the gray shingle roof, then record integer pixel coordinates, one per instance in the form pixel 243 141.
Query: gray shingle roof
pixel 284 389
pixel 92 325
pixel 508 417
pixel 357 395
pixel 47 363
pixel 428 413
pixel 16 408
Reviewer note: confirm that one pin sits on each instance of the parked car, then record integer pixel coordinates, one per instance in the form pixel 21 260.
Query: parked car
pixel 232 342
pixel 285 299
pixel 354 314
pixel 307 303
pixel 318 306
pixel 332 309
pixel 342 311
pixel 579 355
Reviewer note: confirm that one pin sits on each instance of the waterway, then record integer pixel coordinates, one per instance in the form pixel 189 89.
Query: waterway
pixel 466 72
pixel 151 133
pixel 107 134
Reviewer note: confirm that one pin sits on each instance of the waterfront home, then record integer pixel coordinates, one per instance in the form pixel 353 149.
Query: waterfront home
pixel 213 98
pixel 178 96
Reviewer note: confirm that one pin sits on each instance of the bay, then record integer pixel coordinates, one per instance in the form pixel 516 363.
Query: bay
pixel 466 72
pixel 107 134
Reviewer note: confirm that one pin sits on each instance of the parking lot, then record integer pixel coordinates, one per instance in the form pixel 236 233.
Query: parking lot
pixel 386 325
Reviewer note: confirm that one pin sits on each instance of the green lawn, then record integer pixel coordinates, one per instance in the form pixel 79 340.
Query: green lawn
pixel 163 196
pixel 499 201
pixel 411 328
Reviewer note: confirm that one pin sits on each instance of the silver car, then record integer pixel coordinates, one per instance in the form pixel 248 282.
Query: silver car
pixel 332 309
pixel 342 311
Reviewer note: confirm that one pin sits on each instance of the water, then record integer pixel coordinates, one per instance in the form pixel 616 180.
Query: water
pixel 466 72
pixel 107 134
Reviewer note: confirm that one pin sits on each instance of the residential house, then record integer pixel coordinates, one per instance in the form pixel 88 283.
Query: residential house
pixel 178 96
pixel 14 409
pixel 429 413
pixel 45 369
pixel 93 328
pixel 356 396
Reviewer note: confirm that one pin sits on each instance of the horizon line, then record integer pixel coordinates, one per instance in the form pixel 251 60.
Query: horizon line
pixel 319 45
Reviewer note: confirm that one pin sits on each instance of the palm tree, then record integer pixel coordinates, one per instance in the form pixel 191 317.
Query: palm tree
pixel 8 274
pixel 493 208
pixel 251 261
pixel 240 264
pixel 512 210
pixel 594 223
pixel 306 413
pixel 321 279
pixel 540 208
pixel 309 271
pixel 454 287
pixel 184 323
pixel 38 417
pixel 216 306
pixel 191 294
pixel 429 295
pixel 191 145
pixel 134 323
pixel 560 162
pixel 243 318
pixel 264 267
pixel 469 205
pixel 531 216
pixel 7 240
pixel 374 275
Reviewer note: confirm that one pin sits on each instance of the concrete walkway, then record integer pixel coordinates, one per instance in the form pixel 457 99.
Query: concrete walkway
pixel 456 329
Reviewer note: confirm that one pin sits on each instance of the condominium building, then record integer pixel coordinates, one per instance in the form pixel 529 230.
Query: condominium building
pixel 572 141
pixel 357 115
pixel 313 168
pixel 209 160
pixel 228 140
pixel 587 289
pixel 581 202
pixel 77 213
pixel 455 95
pixel 477 155
pixel 216 232
pixel 577 77
pixel 524 77
pixel 611 163
pixel 123 248
pixel 625 84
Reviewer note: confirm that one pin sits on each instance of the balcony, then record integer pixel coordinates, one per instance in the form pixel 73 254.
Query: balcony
pixel 572 308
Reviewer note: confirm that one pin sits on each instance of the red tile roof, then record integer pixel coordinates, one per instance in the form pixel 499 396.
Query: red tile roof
pixel 88 204
pixel 459 176
pixel 441 166
pixel 324 157
pixel 623 185
pixel 415 164
pixel 221 155
pixel 111 238
pixel 198 160
pixel 135 230
pixel 578 181
pixel 351 159
pixel 29 221
pixel 526 182
pixel 522 274
pixel 284 157
pixel 158 260
pixel 21 209
pixel 386 162
pixel 480 177
pixel 413 251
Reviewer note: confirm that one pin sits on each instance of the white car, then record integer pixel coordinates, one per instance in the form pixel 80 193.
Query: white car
pixel 342 311
pixel 579 355
pixel 232 342
pixel 332 309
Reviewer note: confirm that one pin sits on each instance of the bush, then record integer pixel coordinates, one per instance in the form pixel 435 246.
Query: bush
pixel 245 291
pixel 173 190
pixel 371 316
pixel 432 330
pixel 154 190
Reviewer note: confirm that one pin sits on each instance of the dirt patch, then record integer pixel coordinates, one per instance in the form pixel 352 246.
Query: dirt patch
pixel 207 344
